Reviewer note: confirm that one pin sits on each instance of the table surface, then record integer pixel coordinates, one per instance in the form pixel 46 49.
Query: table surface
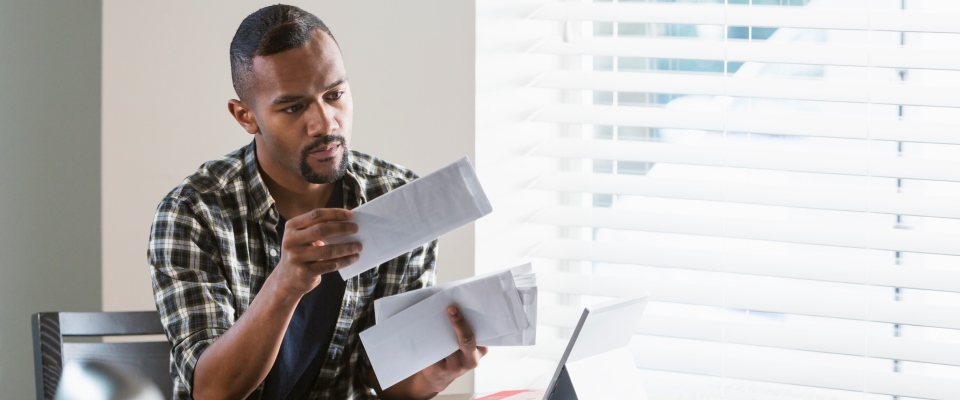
pixel 649 397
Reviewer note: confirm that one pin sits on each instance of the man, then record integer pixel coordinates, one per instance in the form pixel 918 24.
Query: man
pixel 247 290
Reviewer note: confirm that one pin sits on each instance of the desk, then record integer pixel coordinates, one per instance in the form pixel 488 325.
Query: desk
pixel 658 396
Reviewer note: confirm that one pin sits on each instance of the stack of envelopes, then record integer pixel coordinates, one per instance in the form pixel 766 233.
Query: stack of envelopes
pixel 413 331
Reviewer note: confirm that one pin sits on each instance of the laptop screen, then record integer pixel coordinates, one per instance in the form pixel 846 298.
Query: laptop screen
pixel 602 328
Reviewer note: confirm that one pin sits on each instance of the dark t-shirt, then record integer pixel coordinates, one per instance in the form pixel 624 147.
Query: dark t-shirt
pixel 308 336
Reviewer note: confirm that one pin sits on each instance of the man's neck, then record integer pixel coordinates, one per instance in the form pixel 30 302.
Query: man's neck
pixel 293 201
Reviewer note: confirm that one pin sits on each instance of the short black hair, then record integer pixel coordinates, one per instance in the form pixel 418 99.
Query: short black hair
pixel 267 31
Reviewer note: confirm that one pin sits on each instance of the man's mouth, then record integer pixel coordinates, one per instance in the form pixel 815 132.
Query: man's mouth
pixel 326 151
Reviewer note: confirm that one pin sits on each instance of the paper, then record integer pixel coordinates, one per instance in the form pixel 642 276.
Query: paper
pixel 422 334
pixel 414 214
pixel 387 307
pixel 524 280
pixel 526 337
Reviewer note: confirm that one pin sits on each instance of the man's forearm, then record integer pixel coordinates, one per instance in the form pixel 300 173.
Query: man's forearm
pixel 235 364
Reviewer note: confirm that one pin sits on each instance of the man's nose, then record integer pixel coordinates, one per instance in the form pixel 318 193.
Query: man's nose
pixel 322 119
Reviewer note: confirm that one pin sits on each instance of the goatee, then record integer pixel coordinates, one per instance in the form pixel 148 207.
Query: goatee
pixel 313 176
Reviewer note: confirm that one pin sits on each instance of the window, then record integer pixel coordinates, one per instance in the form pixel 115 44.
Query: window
pixel 783 177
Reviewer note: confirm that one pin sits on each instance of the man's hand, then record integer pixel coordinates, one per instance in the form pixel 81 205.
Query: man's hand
pixel 435 378
pixel 305 257
pixel 241 358
pixel 443 372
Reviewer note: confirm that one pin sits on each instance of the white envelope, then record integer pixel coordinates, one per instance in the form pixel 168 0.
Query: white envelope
pixel 526 337
pixel 386 307
pixel 414 214
pixel 422 334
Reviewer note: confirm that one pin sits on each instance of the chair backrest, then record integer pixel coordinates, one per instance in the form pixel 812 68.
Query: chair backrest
pixel 51 352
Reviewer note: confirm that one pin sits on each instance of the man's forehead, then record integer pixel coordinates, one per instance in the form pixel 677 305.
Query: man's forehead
pixel 317 62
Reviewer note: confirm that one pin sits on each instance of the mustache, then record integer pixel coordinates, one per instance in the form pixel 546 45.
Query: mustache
pixel 323 141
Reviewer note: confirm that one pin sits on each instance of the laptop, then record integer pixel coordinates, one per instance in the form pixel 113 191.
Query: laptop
pixel 602 328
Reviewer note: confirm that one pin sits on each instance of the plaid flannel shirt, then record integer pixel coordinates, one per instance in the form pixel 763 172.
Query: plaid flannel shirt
pixel 214 241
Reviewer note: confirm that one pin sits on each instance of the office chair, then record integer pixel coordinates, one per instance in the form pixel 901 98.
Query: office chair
pixel 51 352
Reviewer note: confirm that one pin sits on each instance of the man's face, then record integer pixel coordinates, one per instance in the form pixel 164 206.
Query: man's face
pixel 304 111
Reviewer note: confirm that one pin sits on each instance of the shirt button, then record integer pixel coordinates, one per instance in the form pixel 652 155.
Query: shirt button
pixel 273 252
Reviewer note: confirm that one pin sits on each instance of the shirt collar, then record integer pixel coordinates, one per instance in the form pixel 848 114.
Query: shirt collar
pixel 353 184
pixel 261 201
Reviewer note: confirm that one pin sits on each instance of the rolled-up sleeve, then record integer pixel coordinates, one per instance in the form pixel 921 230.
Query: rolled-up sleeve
pixel 189 285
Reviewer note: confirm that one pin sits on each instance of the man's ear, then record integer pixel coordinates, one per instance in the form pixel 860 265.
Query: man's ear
pixel 244 116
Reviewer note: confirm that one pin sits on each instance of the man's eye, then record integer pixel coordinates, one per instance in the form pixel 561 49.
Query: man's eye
pixel 294 108
pixel 336 95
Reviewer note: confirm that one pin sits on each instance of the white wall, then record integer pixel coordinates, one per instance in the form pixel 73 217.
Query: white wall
pixel 49 172
pixel 166 81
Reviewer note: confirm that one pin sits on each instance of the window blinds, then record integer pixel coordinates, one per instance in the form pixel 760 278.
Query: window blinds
pixel 783 176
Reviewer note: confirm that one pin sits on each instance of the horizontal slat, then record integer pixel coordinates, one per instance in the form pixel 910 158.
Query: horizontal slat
pixel 756 51
pixel 744 15
pixel 657 356
pixel 718 85
pixel 830 305
pixel 854 271
pixel 777 336
pixel 887 383
pixel 835 199
pixel 754 122
pixel 889 239
pixel 129 353
pixel 765 159
pixel 110 323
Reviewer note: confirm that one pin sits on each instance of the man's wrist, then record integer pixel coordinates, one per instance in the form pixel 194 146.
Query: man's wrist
pixel 420 387
pixel 415 387
pixel 285 295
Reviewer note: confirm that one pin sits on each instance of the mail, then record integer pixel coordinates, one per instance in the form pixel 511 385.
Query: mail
pixel 414 214
pixel 500 307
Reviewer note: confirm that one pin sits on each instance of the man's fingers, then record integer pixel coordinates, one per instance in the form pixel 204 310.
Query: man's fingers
pixel 317 216
pixel 320 231
pixel 325 230
pixel 464 332
pixel 468 343
pixel 466 358
pixel 335 264
pixel 313 254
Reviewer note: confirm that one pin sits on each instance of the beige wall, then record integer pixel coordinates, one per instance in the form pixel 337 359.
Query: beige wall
pixel 166 81
pixel 49 172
